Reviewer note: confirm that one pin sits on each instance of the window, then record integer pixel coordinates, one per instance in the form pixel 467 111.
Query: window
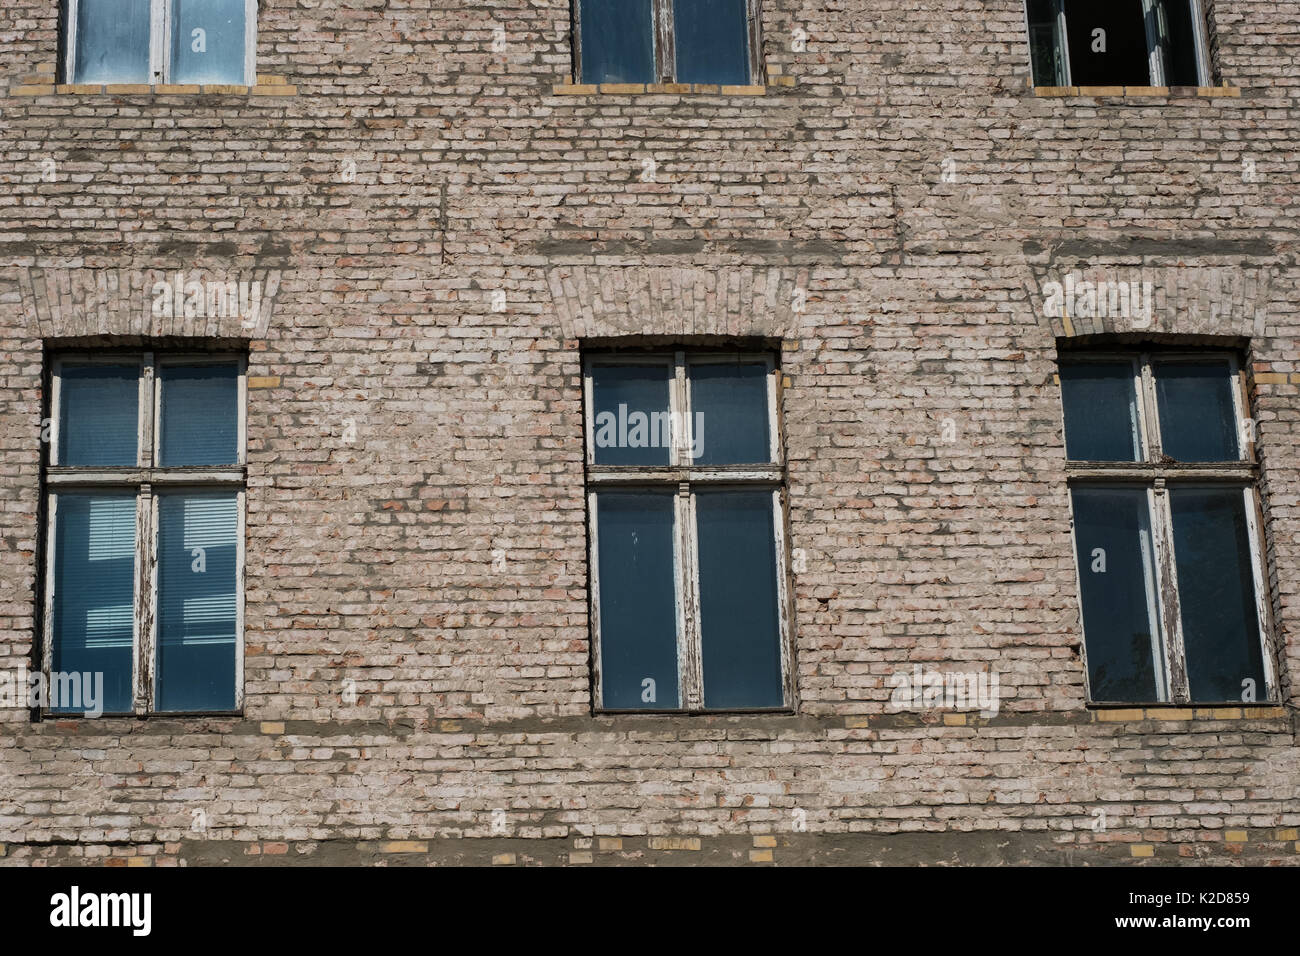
pixel 160 41
pixel 144 552
pixel 1162 476
pixel 666 41
pixel 685 476
pixel 1118 43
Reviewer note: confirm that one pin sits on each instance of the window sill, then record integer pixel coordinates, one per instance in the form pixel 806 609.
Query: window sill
pixel 266 86
pixel 1102 714
pixel 1139 92
pixel 778 84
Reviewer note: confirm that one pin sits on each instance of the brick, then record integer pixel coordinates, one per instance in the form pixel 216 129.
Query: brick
pixel 1235 836
pixel 273 727
pixel 575 89
pixel 263 381
pixel 576 856
pixel 611 843
pixel 79 88
pixel 127 88
pixel 622 88
pixel 764 841
pixel 674 843
pixel 32 91
pixel 405 846
pixel 760 856
pixel 755 90
pixel 177 88
pixel 1142 850
pixel 1119 714
pixel 1100 91
pixel 503 859
pixel 1287 835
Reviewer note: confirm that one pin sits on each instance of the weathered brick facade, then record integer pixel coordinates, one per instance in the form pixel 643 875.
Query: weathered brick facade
pixel 882 212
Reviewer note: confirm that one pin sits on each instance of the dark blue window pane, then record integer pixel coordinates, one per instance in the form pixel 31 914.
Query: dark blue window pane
pixel 1216 594
pixel 638 603
pixel 1197 418
pixel 198 549
pixel 729 414
pixel 1112 533
pixel 99 414
pixel 1101 420
pixel 712 41
pixel 207 41
pixel 200 415
pixel 94 599
pixel 112 42
pixel 617 42
pixel 631 423
pixel 739 620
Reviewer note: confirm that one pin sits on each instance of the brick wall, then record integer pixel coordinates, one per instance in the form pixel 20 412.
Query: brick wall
pixel 899 178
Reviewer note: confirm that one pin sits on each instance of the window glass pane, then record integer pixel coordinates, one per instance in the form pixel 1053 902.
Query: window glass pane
pixel 630 417
pixel 729 413
pixel 1101 417
pixel 94 601
pixel 1216 594
pixel 112 42
pixel 1179 43
pixel 1108 43
pixel 712 41
pixel 200 415
pixel 198 550
pixel 1197 418
pixel 207 41
pixel 617 42
pixel 1045 44
pixel 739 625
pixel 1112 533
pixel 98 414
pixel 638 602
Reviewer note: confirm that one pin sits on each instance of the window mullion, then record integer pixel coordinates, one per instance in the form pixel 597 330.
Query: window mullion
pixel 159 28
pixel 1167 603
pixel 665 45
pixel 689 653
pixel 145 558
pixel 1149 412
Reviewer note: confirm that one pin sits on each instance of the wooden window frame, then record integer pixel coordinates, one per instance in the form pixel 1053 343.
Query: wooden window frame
pixel 160 37
pixel 685 478
pixel 1149 472
pixel 1155 52
pixel 145 480
pixel 665 45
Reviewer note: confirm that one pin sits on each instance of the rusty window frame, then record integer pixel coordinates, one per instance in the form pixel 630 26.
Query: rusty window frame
pixel 685 478
pixel 1154 475
pixel 143 479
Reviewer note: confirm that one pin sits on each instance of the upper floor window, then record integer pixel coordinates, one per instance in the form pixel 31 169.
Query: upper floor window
pixel 666 41
pixel 160 41
pixel 144 545
pixel 685 486
pixel 1162 472
pixel 1118 43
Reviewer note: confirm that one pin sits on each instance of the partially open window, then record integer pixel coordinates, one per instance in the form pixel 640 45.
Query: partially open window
pixel 1167 529
pixel 666 41
pixel 1118 43
pixel 204 42
pixel 685 482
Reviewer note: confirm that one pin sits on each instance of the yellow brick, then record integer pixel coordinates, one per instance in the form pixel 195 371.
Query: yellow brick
pixel 269 79
pixel 676 87
pixel 1118 715
pixel 706 88
pixel 272 726
pixel 264 381
pixel 224 88
pixel 33 91
pixel 954 720
pixel 405 846
pixel 622 88
pixel 274 91
pixel 1225 713
pixel 138 861
pixel 1056 91
pixel 81 88
pixel 177 88
pixel 503 859
pixel 450 726
pixel 2 849
pixel 1297 846
pixel 674 843
pixel 1101 91
pixel 1218 91
pixel 784 81
pixel 1289 835
pixel 128 88
pixel 1142 849
pixel 575 89
pixel 611 843
pixel 764 841
pixel 1168 713
pixel 1235 836
pixel 855 723
pixel 760 856
pixel 749 90
pixel 1270 378
pixel 583 857
pixel 1146 91
pixel 1264 713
